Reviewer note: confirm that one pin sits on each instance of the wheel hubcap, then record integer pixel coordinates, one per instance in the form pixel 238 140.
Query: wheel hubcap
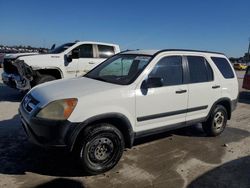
pixel 101 149
pixel 218 120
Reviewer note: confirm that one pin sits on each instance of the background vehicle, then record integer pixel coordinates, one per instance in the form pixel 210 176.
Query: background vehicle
pixel 240 66
pixel 246 81
pixel 66 61
pixel 131 95
pixel 1 60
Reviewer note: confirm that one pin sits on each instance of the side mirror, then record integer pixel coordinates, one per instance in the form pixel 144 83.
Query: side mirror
pixel 154 82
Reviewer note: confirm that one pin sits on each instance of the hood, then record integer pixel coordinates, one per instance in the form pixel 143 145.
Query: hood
pixel 70 88
pixel 41 60
pixel 14 56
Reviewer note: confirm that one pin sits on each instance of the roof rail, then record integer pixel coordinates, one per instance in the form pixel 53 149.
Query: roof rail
pixel 186 50
pixel 127 51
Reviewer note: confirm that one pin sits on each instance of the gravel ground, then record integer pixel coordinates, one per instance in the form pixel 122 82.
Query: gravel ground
pixel 182 158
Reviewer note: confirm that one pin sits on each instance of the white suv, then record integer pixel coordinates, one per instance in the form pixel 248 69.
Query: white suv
pixel 130 95
pixel 66 61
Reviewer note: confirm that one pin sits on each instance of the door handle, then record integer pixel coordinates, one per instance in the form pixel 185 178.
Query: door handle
pixel 216 87
pixel 91 63
pixel 181 91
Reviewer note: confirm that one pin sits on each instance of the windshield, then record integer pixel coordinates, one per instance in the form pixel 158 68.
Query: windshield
pixel 61 48
pixel 120 69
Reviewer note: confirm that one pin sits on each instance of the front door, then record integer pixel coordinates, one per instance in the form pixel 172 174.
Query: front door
pixel 71 63
pixel 165 105
pixel 86 59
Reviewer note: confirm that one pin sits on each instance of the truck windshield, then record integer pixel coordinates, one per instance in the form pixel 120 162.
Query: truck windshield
pixel 120 69
pixel 61 48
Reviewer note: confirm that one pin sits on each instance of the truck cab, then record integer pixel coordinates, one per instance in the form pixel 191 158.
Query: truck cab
pixel 69 60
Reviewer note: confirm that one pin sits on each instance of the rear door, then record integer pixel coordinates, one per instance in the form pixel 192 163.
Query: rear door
pixel 102 52
pixel 204 87
pixel 93 56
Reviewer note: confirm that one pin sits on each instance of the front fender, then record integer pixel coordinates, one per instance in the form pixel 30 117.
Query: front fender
pixel 125 127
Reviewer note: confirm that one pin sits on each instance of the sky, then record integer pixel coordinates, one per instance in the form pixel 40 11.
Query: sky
pixel 216 25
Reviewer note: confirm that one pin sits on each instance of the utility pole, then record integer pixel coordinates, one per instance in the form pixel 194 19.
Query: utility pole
pixel 248 52
pixel 249 47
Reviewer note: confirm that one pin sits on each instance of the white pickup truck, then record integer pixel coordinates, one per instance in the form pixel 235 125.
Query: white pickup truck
pixel 66 61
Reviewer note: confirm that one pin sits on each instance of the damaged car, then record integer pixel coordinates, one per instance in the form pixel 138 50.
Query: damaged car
pixel 10 71
pixel 69 60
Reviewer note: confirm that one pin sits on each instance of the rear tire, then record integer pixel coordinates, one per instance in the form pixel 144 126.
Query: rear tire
pixel 217 121
pixel 101 148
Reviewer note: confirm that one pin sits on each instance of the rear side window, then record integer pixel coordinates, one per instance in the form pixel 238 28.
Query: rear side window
pixel 170 70
pixel 199 69
pixel 224 67
pixel 105 51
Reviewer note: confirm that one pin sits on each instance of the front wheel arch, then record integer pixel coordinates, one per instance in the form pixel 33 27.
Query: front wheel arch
pixel 55 72
pixel 118 120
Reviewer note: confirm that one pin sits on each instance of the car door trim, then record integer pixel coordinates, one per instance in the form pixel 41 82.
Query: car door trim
pixel 173 113
pixel 166 128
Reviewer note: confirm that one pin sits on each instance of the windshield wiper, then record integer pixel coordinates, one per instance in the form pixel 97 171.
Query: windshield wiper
pixel 97 78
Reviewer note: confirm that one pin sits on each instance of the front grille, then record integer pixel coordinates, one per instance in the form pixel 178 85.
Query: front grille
pixel 29 103
pixel 8 67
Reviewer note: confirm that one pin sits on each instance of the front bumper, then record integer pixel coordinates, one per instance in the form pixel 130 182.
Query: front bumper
pixel 46 133
pixel 9 80
pixel 15 81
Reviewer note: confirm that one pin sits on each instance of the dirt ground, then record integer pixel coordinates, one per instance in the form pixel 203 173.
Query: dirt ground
pixel 182 158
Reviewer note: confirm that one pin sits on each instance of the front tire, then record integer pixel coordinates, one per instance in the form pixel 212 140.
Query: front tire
pixel 217 121
pixel 101 148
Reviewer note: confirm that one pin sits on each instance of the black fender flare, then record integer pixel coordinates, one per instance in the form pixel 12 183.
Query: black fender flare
pixel 125 127
pixel 221 100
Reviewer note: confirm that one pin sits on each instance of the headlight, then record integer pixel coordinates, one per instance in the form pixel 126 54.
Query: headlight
pixel 58 110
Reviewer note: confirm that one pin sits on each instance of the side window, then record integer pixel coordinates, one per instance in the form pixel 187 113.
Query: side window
pixel 223 66
pixel 199 69
pixel 86 51
pixel 105 51
pixel 210 73
pixel 170 70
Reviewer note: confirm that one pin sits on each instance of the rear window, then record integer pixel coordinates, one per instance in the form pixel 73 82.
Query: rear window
pixel 224 67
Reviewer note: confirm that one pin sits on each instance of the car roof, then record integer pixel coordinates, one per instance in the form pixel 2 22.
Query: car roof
pixel 95 42
pixel 156 52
